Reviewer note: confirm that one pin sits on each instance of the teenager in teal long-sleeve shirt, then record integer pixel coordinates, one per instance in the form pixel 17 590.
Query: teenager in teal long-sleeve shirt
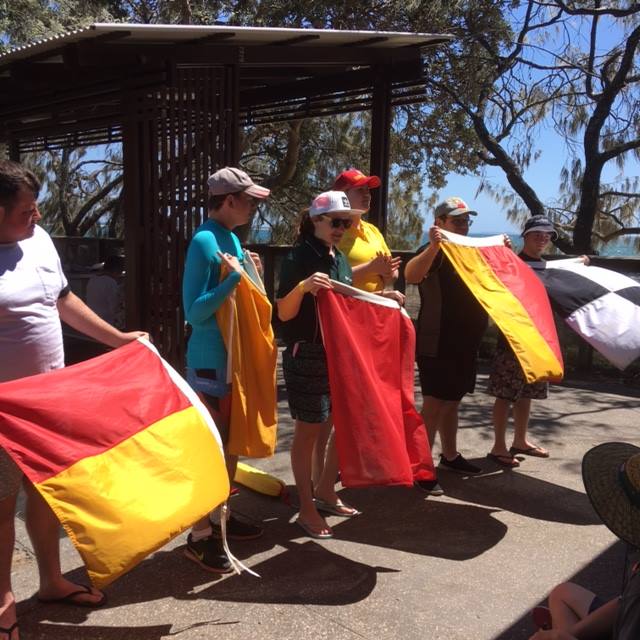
pixel 233 198
pixel 203 292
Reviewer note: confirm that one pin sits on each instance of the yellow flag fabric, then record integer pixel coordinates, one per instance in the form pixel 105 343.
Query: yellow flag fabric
pixel 515 299
pixel 130 458
pixel 245 323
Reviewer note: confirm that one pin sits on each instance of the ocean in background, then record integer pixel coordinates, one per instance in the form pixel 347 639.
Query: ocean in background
pixel 620 248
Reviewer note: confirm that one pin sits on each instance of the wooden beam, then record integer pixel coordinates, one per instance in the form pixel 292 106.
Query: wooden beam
pixel 213 38
pixel 296 40
pixel 366 42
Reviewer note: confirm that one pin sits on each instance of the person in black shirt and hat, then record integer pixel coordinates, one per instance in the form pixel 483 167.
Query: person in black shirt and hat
pixel 310 266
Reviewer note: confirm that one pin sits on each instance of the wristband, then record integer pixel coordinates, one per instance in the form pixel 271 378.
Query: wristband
pixel 300 286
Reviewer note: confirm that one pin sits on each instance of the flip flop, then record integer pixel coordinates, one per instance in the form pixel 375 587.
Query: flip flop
pixel 535 452
pixel 504 460
pixel 312 532
pixel 541 617
pixel 338 509
pixel 71 599
pixel 9 630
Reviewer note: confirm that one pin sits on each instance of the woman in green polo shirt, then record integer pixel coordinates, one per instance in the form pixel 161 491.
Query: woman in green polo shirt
pixel 310 266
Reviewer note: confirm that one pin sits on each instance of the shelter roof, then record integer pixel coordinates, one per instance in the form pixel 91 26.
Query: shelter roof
pixel 132 34
pixel 73 89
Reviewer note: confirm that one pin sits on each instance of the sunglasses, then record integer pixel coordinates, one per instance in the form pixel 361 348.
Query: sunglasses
pixel 336 223
pixel 460 222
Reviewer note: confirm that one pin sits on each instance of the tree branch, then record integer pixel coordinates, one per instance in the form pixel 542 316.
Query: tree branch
pixel 600 11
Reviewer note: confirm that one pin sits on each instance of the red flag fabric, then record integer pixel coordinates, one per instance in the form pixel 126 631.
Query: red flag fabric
pixel 370 344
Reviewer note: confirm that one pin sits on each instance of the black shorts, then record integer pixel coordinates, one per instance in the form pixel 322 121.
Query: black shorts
pixel 306 377
pixel 447 378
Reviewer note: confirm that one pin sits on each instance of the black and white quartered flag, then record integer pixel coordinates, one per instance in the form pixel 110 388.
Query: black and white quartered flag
pixel 600 305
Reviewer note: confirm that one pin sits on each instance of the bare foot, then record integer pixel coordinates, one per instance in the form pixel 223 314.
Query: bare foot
pixel 312 521
pixel 66 592
pixel 8 621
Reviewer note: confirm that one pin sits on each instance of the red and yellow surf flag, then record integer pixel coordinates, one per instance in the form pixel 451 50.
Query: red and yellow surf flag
pixel 244 319
pixel 121 448
pixel 515 299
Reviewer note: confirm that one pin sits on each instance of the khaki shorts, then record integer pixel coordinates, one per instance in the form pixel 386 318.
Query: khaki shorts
pixel 10 476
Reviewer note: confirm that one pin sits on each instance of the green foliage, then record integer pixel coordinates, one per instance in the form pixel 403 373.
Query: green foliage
pixel 516 68
pixel 81 192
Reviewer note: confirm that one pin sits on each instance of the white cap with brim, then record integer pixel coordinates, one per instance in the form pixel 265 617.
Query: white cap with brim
pixel 233 180
pixel 332 202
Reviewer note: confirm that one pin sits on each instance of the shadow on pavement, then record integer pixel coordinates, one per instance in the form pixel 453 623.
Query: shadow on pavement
pixel 402 519
pixel 522 494
pixel 305 573
pixel 603 575
pixel 47 631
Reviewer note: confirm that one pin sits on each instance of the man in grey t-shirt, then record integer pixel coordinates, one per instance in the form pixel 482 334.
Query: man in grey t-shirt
pixel 34 297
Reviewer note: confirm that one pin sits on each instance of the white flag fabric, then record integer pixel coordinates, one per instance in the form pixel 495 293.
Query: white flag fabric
pixel 600 305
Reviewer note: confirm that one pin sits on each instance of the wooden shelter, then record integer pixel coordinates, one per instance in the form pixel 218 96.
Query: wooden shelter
pixel 176 98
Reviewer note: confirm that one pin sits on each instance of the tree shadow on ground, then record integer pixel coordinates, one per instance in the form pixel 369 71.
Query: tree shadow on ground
pixel 603 575
pixel 522 494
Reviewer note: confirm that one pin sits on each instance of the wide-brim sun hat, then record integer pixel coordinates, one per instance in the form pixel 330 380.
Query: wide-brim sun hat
pixel 611 476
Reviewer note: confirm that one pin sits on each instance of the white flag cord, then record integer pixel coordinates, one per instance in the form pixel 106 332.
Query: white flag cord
pixel 237 566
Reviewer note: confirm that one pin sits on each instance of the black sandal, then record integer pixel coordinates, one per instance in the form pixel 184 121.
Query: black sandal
pixel 9 630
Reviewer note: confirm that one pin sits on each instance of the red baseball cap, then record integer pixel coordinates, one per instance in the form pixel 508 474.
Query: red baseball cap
pixel 355 178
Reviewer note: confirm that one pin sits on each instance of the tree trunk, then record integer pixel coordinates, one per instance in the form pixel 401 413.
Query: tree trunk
pixel 510 168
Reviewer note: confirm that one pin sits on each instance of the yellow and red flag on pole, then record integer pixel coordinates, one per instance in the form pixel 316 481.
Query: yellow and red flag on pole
pixel 513 296
pixel 122 450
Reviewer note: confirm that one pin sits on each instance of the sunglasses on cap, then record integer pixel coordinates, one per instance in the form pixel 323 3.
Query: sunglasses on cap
pixel 336 223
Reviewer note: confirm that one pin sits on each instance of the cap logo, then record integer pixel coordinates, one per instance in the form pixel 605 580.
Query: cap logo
pixel 322 201
pixel 345 202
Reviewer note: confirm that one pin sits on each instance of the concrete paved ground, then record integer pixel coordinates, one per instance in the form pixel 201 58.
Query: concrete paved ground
pixel 466 566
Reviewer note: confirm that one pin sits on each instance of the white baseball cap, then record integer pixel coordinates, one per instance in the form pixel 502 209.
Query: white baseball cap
pixel 332 202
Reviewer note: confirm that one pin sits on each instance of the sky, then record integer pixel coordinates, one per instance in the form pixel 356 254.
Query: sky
pixel 543 175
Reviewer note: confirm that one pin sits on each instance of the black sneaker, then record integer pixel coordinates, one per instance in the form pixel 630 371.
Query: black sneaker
pixel 209 554
pixel 459 465
pixel 430 487
pixel 238 530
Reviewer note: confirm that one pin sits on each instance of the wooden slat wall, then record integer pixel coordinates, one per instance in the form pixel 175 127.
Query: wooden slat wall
pixel 178 140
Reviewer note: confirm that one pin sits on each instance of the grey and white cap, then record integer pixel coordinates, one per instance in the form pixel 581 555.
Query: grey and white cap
pixel 234 180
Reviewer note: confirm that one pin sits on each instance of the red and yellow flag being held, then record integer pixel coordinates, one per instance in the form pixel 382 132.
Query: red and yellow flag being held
pixel 513 296
pixel 122 450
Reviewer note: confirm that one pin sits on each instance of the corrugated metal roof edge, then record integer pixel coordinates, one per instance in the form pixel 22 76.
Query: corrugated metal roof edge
pixel 42 46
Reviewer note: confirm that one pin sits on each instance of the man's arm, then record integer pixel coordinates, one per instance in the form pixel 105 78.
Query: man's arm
pixel 418 267
pixel 79 316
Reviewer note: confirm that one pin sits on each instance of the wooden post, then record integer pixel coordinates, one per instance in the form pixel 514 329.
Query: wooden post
pixel 380 146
